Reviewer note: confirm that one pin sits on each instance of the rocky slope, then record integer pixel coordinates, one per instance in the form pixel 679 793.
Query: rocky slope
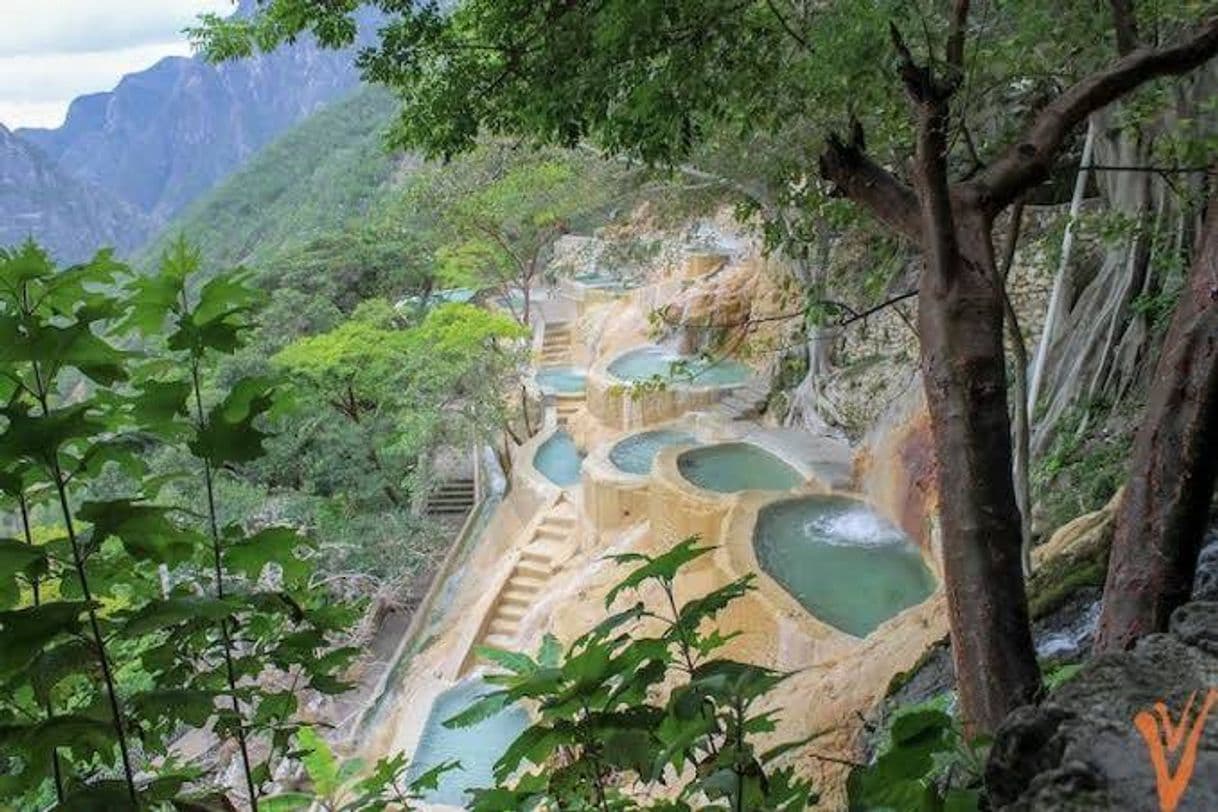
pixel 166 135
pixel 70 217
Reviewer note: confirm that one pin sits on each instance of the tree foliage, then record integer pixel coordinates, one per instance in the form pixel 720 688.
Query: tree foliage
pixel 141 616
pixel 641 702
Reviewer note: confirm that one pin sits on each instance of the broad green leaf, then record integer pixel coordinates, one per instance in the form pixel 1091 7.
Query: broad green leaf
pixel 165 614
pixel 229 435
pixel 54 664
pixel 193 707
pixel 661 568
pixel 513 661
pixel 146 531
pixel 274 545
pixel 26 632
pixel 319 761
pixel 483 708
pixel 159 406
pixel 40 437
pixel 18 559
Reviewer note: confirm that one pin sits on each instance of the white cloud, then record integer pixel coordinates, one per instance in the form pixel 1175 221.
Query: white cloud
pixel 65 26
pixel 52 51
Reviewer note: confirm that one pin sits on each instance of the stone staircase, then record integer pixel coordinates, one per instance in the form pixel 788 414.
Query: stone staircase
pixel 745 402
pixel 556 344
pixel 453 498
pixel 565 407
pixel 551 543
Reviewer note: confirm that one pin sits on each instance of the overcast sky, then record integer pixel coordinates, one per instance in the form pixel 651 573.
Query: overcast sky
pixel 54 50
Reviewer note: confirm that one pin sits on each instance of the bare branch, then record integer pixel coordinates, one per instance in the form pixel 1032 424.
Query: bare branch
pixel 1030 160
pixel 856 176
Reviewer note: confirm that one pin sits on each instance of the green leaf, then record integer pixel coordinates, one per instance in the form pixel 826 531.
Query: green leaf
pixel 274 545
pixel 319 761
pixel 513 661
pixel 83 735
pixel 26 632
pixel 40 437
pixel 230 435
pixel 662 568
pixel 191 706
pixel 483 708
pixel 164 614
pixel 146 531
pixel 160 405
pixel 74 345
pixel 18 559
pixel 54 664
pixel 286 802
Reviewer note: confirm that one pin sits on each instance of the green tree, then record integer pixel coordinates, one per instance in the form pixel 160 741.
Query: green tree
pixel 500 214
pixel 119 629
pixel 661 81
pixel 400 392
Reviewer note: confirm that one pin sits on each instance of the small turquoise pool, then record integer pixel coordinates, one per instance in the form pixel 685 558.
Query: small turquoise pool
pixel 559 460
pixel 564 380
pixel 732 467
pixel 603 281
pixel 477 747
pixel 637 453
pixel 847 565
pixel 647 363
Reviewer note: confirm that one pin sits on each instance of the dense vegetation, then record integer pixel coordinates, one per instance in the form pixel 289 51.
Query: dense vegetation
pixel 185 452
pixel 930 153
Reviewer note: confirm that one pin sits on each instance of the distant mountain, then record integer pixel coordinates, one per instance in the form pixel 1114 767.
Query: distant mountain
pixel 312 181
pixel 71 218
pixel 168 134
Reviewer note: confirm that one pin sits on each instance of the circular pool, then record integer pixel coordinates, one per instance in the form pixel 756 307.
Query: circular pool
pixel 649 363
pixel 636 453
pixel 559 460
pixel 732 467
pixel 563 380
pixel 847 565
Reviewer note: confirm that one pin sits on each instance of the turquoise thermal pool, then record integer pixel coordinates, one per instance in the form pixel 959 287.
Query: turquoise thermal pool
pixel 563 380
pixel 603 281
pixel 732 467
pixel 559 460
pixel 477 747
pixel 847 565
pixel 637 453
pixel 656 362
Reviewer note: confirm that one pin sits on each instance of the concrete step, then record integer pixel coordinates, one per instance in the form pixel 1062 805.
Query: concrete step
pixel 502 626
pixel 533 555
pixel 497 641
pixel 515 596
pixel 531 569
pixel 513 612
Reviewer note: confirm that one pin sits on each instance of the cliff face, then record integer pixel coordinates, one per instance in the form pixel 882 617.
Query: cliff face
pixel 167 134
pixel 126 161
pixel 72 219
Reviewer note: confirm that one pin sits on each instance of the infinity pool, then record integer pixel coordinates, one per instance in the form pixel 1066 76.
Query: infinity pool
pixel 846 564
pixel 651 362
pixel 559 460
pixel 637 453
pixel 564 380
pixel 477 747
pixel 732 467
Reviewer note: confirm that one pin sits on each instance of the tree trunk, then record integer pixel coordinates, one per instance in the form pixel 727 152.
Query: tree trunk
pixel 1175 461
pixel 960 318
